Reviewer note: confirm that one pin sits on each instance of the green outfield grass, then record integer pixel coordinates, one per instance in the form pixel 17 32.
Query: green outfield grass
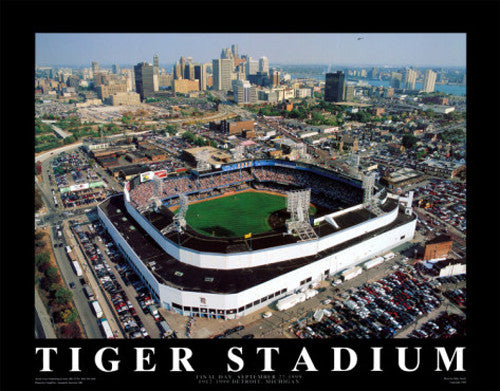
pixel 234 215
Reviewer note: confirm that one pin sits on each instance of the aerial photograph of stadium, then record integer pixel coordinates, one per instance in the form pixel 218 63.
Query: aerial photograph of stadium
pixel 227 187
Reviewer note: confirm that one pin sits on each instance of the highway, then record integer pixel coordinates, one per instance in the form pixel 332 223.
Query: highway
pixel 61 133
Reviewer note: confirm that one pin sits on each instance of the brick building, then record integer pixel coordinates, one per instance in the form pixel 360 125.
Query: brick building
pixel 236 127
pixel 439 247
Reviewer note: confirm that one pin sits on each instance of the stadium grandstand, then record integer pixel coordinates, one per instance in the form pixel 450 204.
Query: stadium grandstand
pixel 237 253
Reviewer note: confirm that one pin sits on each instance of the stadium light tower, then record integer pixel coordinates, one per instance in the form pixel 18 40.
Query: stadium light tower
pixel 353 163
pixel 180 217
pixel 297 204
pixel 179 221
pixel 158 193
pixel 368 185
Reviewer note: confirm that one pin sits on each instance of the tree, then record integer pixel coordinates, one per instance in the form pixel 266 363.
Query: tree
pixel 409 141
pixel 54 287
pixel 68 315
pixel 39 235
pixel 43 267
pixel 41 259
pixel 52 274
pixel 63 296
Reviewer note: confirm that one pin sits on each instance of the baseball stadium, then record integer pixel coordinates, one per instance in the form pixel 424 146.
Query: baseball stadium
pixel 226 242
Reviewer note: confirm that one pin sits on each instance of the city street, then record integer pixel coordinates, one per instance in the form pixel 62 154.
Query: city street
pixel 88 319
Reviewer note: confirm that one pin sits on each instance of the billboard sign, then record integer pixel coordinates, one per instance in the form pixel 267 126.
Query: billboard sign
pixel 161 174
pixel 79 187
pixel 147 176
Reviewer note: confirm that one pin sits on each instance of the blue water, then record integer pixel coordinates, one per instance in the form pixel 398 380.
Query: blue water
pixel 447 89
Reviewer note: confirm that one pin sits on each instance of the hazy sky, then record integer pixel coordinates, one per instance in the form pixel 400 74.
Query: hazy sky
pixel 303 48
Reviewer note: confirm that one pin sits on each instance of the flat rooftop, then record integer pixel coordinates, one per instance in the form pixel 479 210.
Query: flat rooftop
pixel 170 271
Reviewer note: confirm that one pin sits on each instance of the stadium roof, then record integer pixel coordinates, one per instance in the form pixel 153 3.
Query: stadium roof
pixel 170 271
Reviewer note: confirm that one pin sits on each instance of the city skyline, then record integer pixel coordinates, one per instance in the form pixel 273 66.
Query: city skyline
pixel 426 49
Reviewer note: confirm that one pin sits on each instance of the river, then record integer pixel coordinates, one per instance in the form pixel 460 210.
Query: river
pixel 457 90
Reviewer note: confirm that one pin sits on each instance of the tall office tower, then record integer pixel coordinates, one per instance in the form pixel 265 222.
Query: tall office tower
pixel 429 81
pixel 334 86
pixel 177 71
pixel 244 92
pixel 129 77
pixel 200 73
pixel 275 77
pixel 396 80
pixel 234 49
pixel 410 79
pixel 116 69
pixel 221 71
pixel 226 53
pixel 156 64
pixel 95 68
pixel 144 83
pixel 374 72
pixel 252 67
pixel 264 65
pixel 183 67
pixel 189 71
pixel 349 93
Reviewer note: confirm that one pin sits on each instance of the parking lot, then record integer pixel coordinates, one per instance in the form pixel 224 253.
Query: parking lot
pixel 126 294
pixel 446 200
pixel 380 309
pixel 75 183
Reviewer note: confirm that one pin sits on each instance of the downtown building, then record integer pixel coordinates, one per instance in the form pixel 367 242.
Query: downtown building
pixel 410 79
pixel 222 69
pixel 200 74
pixel 334 87
pixel 144 83
pixel 429 81
pixel 244 92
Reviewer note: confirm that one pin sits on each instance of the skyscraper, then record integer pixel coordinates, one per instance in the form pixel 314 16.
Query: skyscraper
pixel 252 67
pixel 429 81
pixel 244 92
pixel 234 49
pixel 177 71
pixel 221 70
pixel 264 65
pixel 200 73
pixel 189 71
pixel 396 80
pixel 95 68
pixel 156 64
pixel 275 77
pixel 116 69
pixel 410 79
pixel 144 84
pixel 334 86
pixel 183 68
pixel 226 53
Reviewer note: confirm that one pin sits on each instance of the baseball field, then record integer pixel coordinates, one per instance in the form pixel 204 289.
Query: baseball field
pixel 235 215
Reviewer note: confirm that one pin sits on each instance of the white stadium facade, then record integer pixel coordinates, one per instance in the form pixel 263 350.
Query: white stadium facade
pixel 197 275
